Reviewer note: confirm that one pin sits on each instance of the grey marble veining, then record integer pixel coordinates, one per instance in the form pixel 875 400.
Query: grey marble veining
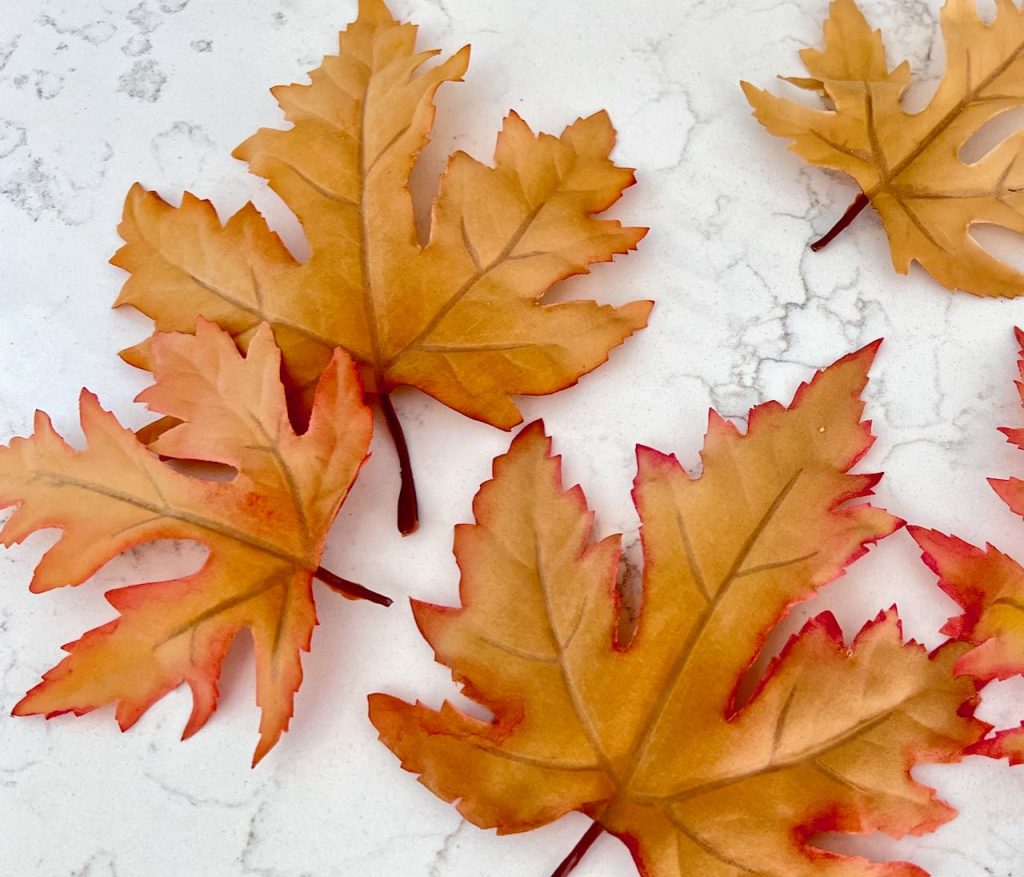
pixel 96 95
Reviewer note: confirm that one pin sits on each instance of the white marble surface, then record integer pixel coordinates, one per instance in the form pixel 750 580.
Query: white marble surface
pixel 95 94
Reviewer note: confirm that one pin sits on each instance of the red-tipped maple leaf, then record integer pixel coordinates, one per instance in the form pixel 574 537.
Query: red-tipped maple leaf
pixel 648 737
pixel 265 528
pixel 989 585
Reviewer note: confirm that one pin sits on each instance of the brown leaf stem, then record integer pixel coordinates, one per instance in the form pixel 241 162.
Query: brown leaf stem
pixel 579 851
pixel 408 508
pixel 349 589
pixel 852 212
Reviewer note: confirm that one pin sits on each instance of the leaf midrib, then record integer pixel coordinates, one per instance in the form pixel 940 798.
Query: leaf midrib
pixel 168 511
pixel 809 754
pixel 578 703
pixel 644 738
pixel 940 127
pixel 369 300
pixel 467 286
pixel 635 757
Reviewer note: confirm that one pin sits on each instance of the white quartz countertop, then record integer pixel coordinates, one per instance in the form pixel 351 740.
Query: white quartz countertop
pixel 98 94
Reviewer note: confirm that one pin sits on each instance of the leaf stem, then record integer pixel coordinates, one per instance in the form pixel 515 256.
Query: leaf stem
pixel 352 590
pixel 852 212
pixel 408 508
pixel 579 851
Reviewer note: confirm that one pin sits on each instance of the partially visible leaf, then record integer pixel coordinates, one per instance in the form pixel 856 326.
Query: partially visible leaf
pixel 265 528
pixel 989 586
pixel 648 737
pixel 908 165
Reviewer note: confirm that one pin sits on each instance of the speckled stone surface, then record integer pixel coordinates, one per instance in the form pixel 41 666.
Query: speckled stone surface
pixel 96 94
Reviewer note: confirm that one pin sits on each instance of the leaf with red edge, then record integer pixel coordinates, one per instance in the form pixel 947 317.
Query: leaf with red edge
pixel 647 736
pixel 265 528
pixel 989 586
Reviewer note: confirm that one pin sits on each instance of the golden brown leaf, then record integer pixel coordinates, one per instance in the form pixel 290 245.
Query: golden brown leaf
pixel 462 318
pixel 265 528
pixel 908 164
pixel 648 737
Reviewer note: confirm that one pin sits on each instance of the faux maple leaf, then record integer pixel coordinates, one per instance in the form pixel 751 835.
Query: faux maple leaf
pixel 989 585
pixel 908 165
pixel 462 317
pixel 648 737
pixel 265 528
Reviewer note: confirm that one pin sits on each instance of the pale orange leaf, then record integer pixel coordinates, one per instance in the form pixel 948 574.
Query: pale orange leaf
pixel 265 528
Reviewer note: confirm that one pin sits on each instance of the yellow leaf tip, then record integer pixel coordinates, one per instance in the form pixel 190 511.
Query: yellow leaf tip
pixel 375 12
pixel 463 56
pixel 137 191
pixel 751 92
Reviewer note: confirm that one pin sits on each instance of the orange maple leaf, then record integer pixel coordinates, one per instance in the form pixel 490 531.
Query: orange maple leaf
pixel 649 736
pixel 265 528
pixel 989 586
pixel 462 317
pixel 908 165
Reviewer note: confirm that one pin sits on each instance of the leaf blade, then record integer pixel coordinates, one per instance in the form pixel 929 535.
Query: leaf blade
pixel 908 164
pixel 265 528
pixel 585 722
pixel 461 318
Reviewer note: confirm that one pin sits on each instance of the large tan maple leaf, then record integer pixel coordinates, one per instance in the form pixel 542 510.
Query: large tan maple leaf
pixel 908 165
pixel 462 317
pixel 649 737
pixel 265 528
